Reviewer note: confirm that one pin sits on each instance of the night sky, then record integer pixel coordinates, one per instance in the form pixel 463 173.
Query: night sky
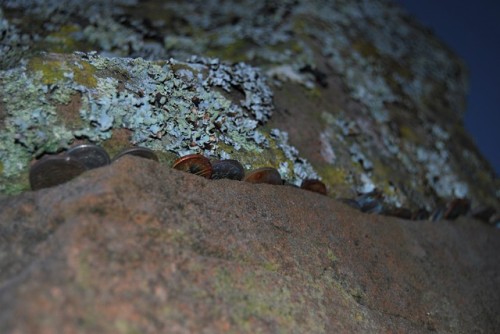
pixel 472 30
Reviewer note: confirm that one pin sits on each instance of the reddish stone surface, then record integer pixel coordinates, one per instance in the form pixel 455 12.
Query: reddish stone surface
pixel 140 247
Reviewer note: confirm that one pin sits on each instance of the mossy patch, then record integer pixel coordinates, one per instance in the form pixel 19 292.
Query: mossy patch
pixel 54 70
pixel 365 48
pixel 85 74
pixel 84 270
pixel 331 256
pixel 333 175
pixel 63 40
pixel 259 158
pixel 408 135
pixel 314 92
pixel 15 184
pixel 234 52
pixel 253 296
pixel 119 140
pixel 338 181
pixel 51 69
pixel 126 327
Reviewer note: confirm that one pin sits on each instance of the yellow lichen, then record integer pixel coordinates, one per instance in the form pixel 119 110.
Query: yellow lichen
pixel 85 75
pixel 299 24
pixel 271 157
pixel 233 52
pixel 333 175
pixel 313 93
pixel 331 256
pixel 252 296
pixel 53 70
pixel 408 135
pixel 62 40
pixel 365 48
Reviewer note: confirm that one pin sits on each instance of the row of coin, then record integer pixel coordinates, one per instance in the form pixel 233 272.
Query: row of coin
pixel 232 169
pixel 373 203
pixel 55 170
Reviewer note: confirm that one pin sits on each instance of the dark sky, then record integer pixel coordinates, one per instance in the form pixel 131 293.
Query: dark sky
pixel 472 29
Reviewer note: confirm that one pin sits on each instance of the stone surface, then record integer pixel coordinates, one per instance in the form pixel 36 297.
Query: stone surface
pixel 140 247
pixel 353 92
pixel 364 96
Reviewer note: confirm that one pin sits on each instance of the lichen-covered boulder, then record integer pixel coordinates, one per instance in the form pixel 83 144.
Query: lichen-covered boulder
pixel 355 93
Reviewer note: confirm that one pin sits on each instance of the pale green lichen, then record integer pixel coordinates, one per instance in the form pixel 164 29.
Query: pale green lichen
pixel 168 106
pixel 31 125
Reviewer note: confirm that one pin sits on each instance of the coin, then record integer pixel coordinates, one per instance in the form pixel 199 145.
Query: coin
pixel 404 213
pixel 314 185
pixel 264 175
pixel 457 207
pixel 371 202
pixel 195 164
pixel 53 171
pixel 142 152
pixel 91 156
pixel 227 169
pixel 483 213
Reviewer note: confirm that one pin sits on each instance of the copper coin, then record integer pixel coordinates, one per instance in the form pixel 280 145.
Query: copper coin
pixel 195 164
pixel 457 207
pixel 404 213
pixel 141 152
pixel 314 185
pixel 91 156
pixel 264 175
pixel 227 169
pixel 53 171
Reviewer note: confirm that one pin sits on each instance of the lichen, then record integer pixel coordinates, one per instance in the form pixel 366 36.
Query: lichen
pixel 31 124
pixel 392 81
pixel 253 296
pixel 168 106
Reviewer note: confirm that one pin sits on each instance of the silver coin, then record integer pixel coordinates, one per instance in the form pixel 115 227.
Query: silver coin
pixel 227 169
pixel 91 156
pixel 53 171
pixel 142 152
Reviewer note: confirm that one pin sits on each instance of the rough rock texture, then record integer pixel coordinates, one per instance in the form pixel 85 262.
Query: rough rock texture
pixel 353 92
pixel 139 247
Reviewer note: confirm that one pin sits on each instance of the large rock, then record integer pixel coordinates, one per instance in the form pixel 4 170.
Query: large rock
pixel 139 247
pixel 353 92
pixel 364 97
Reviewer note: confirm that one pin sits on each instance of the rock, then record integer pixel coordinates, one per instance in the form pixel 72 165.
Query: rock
pixel 139 247
pixel 355 93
